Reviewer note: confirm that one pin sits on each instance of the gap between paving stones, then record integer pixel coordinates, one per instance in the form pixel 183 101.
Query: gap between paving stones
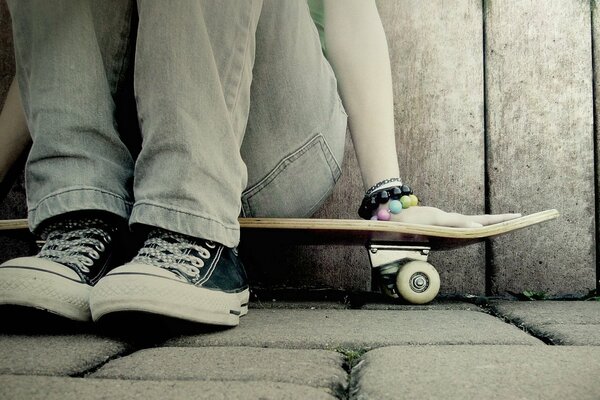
pixel 489 309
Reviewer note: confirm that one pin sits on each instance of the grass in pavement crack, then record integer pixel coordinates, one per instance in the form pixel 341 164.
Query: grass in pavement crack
pixel 351 357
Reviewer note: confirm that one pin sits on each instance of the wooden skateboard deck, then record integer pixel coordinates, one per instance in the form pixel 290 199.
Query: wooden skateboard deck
pixel 353 231
pixel 361 232
pixel 398 251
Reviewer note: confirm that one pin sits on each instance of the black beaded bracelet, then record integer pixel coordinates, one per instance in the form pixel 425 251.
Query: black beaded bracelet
pixel 383 183
pixel 373 198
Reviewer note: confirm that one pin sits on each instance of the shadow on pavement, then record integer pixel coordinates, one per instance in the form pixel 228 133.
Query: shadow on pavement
pixel 19 320
pixel 136 328
pixel 145 329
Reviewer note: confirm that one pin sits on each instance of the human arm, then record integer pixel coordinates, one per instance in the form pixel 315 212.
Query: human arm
pixel 14 135
pixel 358 53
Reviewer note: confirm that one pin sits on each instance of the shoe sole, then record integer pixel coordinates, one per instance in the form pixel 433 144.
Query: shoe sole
pixel 45 291
pixel 157 295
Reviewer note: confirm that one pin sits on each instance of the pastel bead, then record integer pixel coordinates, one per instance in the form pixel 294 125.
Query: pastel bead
pixel 413 200
pixel 395 206
pixel 406 201
pixel 383 215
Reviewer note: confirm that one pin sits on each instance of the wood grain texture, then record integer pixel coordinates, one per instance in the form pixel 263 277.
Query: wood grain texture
pixel 596 62
pixel 540 141
pixel 361 229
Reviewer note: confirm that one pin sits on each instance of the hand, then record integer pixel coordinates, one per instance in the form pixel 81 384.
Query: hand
pixel 435 216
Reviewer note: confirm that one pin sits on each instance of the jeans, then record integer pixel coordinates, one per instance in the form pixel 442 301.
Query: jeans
pixel 237 111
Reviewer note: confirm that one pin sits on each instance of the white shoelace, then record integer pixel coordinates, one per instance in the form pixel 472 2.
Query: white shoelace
pixel 78 247
pixel 174 252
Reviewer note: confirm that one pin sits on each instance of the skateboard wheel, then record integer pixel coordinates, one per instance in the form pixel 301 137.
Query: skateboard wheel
pixel 418 282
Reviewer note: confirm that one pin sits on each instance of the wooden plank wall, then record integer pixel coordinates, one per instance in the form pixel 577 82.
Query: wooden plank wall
pixel 491 98
pixel 540 149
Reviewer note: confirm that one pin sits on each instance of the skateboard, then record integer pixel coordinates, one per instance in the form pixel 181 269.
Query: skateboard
pixel 398 252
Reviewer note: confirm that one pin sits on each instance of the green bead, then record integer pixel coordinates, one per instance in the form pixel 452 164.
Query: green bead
pixel 406 201
pixel 395 206
pixel 413 200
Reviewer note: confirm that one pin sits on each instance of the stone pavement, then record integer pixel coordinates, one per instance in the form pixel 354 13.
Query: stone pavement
pixel 314 350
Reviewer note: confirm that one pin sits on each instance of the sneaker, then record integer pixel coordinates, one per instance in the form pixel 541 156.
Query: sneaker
pixel 76 254
pixel 177 276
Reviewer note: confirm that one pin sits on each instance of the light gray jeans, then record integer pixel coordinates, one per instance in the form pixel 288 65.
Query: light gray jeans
pixel 237 107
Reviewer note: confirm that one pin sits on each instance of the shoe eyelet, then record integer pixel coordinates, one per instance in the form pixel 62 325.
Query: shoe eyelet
pixel 205 254
pixel 100 247
pixel 87 262
pixel 94 254
pixel 210 245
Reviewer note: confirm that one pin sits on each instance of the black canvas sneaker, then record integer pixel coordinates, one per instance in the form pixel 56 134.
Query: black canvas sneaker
pixel 177 276
pixel 76 254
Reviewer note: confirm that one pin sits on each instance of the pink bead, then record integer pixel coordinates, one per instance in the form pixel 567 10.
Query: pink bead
pixel 383 215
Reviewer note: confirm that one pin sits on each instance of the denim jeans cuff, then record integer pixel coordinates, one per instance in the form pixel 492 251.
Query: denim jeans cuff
pixel 77 198
pixel 185 222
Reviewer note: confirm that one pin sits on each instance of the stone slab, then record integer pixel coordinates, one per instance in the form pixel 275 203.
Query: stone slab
pixel 570 335
pixel 434 305
pixel 310 305
pixel 61 354
pixel 478 372
pixel 559 322
pixel 56 388
pixel 369 304
pixel 358 329
pixel 549 312
pixel 540 137
pixel 315 368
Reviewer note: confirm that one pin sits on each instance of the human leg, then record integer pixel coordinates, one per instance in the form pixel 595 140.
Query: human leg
pixel 294 142
pixel 192 81
pixel 192 84
pixel 77 160
pixel 78 172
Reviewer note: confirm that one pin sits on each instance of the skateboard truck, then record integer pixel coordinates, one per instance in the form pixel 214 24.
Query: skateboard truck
pixel 403 271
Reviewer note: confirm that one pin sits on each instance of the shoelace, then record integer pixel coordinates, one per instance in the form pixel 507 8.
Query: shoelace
pixel 175 252
pixel 76 243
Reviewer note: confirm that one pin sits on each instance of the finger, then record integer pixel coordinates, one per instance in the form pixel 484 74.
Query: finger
pixel 455 220
pixel 493 218
pixel 474 225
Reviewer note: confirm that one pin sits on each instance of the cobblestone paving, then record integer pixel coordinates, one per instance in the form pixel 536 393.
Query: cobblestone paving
pixel 316 350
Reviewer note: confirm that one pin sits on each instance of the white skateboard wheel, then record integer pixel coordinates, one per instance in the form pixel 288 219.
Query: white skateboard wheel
pixel 418 282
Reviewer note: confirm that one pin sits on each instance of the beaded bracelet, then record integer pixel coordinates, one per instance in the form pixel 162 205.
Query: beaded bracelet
pixel 383 184
pixel 395 207
pixel 398 197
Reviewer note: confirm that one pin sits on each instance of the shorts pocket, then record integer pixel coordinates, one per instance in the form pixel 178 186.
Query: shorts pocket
pixel 297 186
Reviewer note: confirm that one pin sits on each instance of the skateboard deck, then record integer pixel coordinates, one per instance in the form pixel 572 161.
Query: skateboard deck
pixel 356 232
pixel 398 251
